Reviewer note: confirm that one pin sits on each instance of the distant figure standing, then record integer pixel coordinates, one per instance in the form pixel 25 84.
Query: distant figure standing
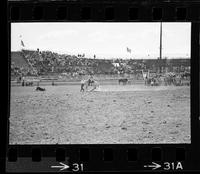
pixel 152 82
pixel 82 85
pixel 23 81
pixel 146 81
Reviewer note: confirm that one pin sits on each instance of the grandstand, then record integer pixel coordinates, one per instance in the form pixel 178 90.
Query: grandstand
pixel 20 65
pixel 18 59
pixel 47 63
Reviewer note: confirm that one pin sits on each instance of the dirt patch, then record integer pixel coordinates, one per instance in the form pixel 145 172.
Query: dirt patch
pixel 112 114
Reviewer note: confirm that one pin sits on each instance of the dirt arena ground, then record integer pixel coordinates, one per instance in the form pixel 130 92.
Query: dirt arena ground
pixel 112 114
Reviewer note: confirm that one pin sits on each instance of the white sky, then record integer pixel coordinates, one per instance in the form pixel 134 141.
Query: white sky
pixel 106 40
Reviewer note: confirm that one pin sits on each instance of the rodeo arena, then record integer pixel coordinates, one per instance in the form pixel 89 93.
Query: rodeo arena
pixel 77 99
pixel 71 99
pixel 41 68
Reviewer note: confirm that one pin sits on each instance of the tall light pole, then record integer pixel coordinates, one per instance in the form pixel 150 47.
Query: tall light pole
pixel 160 47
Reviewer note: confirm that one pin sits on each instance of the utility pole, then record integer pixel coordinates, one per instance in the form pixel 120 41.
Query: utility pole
pixel 160 47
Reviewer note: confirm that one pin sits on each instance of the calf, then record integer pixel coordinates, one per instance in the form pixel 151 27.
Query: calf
pixel 40 89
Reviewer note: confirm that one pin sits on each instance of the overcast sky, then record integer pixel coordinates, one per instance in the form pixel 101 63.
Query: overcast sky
pixel 106 40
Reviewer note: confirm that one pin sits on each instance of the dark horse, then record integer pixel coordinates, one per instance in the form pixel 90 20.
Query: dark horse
pixel 123 81
pixel 90 82
pixel 28 83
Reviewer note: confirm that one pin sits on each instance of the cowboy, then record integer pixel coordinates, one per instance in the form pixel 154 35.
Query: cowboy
pixel 82 85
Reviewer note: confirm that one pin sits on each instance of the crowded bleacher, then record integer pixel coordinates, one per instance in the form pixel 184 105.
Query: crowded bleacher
pixel 37 63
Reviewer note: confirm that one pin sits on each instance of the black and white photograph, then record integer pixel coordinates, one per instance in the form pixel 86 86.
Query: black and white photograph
pixel 100 83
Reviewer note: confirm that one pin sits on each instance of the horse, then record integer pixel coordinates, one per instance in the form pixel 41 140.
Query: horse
pixel 95 85
pixel 85 84
pixel 169 80
pixel 89 82
pixel 123 81
pixel 28 83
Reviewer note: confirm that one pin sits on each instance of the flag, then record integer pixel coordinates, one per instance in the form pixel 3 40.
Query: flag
pixel 128 50
pixel 22 43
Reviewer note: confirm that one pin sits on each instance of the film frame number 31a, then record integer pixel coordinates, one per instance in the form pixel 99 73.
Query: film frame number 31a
pixel 115 137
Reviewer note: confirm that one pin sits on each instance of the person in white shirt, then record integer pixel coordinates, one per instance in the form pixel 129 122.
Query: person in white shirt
pixel 82 85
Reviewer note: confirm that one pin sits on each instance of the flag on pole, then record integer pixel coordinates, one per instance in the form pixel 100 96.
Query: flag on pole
pixel 128 50
pixel 22 44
